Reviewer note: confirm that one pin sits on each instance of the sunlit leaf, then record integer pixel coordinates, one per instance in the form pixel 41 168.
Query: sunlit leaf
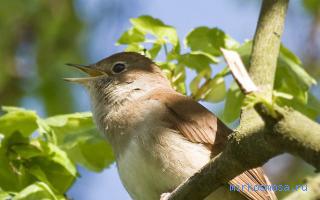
pixel 154 50
pixel 17 119
pixel 12 175
pixel 195 83
pixel 27 150
pixel 77 135
pixel 198 62
pixel 217 90
pixel 133 35
pixel 295 65
pixel 313 6
pixel 135 47
pixel 102 157
pixel 42 160
pixel 233 103
pixel 178 78
pixel 209 40
pixel 60 157
pixel 147 24
pixel 5 195
pixel 38 190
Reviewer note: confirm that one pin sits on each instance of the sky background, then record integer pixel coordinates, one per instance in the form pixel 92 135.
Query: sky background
pixel 107 19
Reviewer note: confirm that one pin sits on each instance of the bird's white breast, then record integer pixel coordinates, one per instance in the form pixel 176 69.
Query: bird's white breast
pixel 157 158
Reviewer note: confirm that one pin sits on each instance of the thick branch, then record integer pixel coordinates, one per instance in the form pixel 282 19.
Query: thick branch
pixel 294 133
pixel 266 44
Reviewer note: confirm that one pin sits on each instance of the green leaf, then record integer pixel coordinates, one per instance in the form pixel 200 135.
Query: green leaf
pixel 217 90
pixel 46 131
pixel 314 104
pixel 209 40
pixel 135 47
pixel 153 52
pixel 133 35
pixel 56 173
pixel 178 78
pixel 149 25
pixel 77 135
pixel 245 51
pixel 233 104
pixel 212 90
pixel 65 126
pixel 198 62
pixel 102 156
pixel 313 6
pixel 292 62
pixel 38 190
pixel 26 161
pixel 59 157
pixel 277 94
pixel 39 174
pixel 26 151
pixel 18 119
pixel 167 68
pixel 5 195
pixel 310 109
pixel 195 83
pixel 13 175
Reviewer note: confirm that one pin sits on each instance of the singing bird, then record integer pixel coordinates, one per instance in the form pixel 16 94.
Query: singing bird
pixel 159 136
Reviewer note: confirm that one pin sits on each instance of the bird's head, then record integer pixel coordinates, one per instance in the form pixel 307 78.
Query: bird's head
pixel 121 75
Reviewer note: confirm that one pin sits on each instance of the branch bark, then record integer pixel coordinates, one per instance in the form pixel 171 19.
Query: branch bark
pixel 292 132
pixel 266 44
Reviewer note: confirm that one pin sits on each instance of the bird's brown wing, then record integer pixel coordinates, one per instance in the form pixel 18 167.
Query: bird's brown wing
pixel 199 125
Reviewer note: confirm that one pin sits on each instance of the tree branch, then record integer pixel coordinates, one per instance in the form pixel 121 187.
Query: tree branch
pixel 266 44
pixel 292 132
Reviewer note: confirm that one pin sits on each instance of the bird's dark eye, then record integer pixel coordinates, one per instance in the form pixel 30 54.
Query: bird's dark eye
pixel 118 67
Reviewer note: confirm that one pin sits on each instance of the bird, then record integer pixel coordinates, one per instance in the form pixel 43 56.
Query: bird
pixel 159 136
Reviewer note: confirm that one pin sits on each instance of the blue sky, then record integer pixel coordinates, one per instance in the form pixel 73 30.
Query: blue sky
pixel 236 17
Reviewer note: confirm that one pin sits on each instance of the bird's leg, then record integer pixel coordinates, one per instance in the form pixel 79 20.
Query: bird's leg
pixel 165 196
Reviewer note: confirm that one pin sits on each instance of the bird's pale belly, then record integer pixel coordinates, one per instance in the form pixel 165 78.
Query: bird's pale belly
pixel 152 166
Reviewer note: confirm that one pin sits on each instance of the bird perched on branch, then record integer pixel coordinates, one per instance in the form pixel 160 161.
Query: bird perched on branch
pixel 159 137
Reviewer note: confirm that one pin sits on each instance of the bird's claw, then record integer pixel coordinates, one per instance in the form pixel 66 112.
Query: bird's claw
pixel 165 196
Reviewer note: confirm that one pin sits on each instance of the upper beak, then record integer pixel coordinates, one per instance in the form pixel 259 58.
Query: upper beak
pixel 92 72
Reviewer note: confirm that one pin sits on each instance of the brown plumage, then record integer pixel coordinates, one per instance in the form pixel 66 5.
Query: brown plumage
pixel 199 125
pixel 159 136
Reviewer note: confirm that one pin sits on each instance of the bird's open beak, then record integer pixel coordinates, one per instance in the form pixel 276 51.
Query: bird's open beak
pixel 92 72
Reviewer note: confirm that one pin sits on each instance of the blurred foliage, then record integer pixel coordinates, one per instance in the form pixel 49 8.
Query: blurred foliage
pixel 38 37
pixel 311 48
pixel 313 6
pixel 38 156
pixel 292 82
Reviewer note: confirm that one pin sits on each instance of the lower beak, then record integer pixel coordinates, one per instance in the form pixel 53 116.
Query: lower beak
pixel 92 72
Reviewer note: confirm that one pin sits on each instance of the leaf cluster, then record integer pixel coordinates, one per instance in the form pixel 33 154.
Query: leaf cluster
pixel 39 156
pixel 202 54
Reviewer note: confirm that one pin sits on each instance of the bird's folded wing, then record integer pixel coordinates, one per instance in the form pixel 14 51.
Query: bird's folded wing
pixel 199 125
pixel 253 185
